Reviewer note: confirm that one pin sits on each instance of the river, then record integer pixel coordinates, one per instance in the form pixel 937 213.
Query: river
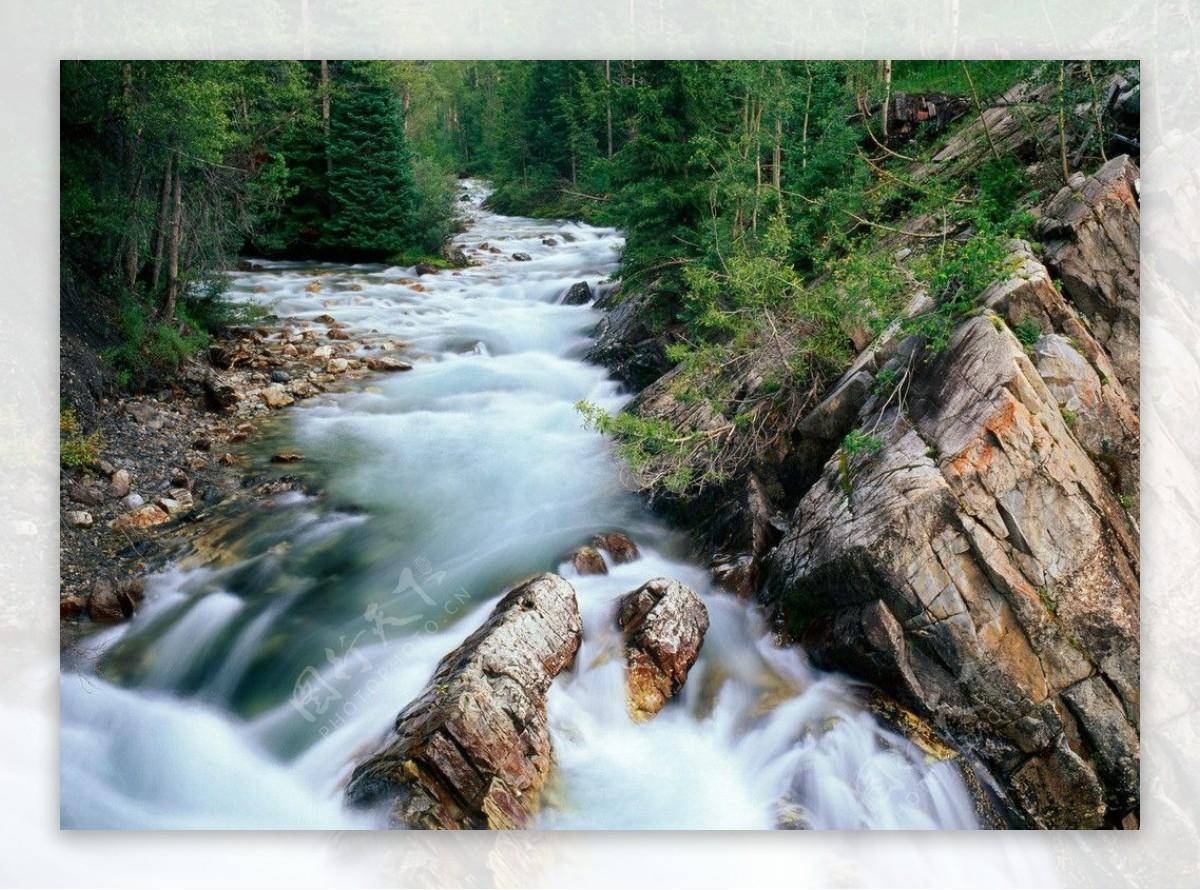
pixel 242 691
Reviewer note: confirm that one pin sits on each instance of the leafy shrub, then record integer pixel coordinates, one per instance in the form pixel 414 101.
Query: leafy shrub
pixel 77 450
pixel 1028 331
pixel 858 442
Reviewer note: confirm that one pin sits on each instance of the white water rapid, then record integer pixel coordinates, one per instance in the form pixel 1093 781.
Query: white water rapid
pixel 240 694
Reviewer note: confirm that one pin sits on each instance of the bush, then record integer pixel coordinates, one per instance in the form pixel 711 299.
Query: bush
pixel 1028 331
pixel 436 214
pixel 148 350
pixel 77 451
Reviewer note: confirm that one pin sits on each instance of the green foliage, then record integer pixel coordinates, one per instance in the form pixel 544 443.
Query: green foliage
pixel 372 191
pixel 885 381
pixel 1125 501
pixel 1048 602
pixel 858 442
pixel 77 450
pixel 1070 418
pixel 991 78
pixel 149 350
pixel 435 213
pixel 644 444
pixel 1028 331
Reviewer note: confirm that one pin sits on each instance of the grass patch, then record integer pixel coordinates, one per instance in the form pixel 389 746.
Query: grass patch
pixel 77 450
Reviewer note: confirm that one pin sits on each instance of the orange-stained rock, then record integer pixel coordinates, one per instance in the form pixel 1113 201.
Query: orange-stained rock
pixel 587 561
pixel 617 545
pixel 473 749
pixel 663 623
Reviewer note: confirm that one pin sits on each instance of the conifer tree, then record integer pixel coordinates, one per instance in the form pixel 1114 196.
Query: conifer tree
pixel 371 188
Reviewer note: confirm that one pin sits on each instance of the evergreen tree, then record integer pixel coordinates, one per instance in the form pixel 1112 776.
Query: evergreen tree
pixel 372 192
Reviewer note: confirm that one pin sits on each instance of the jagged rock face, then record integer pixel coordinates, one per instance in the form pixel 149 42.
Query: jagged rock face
pixel 1076 368
pixel 625 341
pixel 663 623
pixel 473 750
pixel 980 567
pixel 1092 235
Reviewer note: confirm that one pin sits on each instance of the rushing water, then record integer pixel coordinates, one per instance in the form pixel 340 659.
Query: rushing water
pixel 243 690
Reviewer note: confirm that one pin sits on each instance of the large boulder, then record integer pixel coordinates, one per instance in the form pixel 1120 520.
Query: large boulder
pixel 663 623
pixel 578 294
pixel 453 254
pixel 473 749
pixel 976 564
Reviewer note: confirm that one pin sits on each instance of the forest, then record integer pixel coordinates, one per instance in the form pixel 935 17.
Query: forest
pixel 817 379
pixel 734 182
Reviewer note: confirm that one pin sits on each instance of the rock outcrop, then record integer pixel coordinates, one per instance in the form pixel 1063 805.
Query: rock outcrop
pixel 663 623
pixel 1091 229
pixel 625 340
pixel 473 749
pixel 979 561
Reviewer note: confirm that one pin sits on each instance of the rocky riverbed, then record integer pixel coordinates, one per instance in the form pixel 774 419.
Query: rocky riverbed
pixel 172 459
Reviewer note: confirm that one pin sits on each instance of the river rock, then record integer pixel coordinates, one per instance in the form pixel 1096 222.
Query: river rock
pixel 218 394
pixel 521 257
pixel 578 294
pixel 177 502
pixel 142 517
pixel 663 623
pixel 139 411
pixel 88 495
pixel 120 484
pixel 275 396
pixel 587 561
pixel 453 254
pixel 337 366
pixel 106 605
pixel 425 269
pixel 473 749
pixel 386 363
pixel 79 518
pixel 132 501
pixel 617 545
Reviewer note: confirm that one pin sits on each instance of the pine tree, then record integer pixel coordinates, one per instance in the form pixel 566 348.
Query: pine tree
pixel 372 192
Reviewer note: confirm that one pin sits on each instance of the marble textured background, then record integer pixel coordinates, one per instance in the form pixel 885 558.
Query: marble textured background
pixel 1163 34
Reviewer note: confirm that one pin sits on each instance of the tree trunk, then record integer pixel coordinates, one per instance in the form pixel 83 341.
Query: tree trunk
pixel 325 112
pixel 608 102
pixel 131 242
pixel 173 248
pixel 887 94
pixel 777 157
pixel 164 215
